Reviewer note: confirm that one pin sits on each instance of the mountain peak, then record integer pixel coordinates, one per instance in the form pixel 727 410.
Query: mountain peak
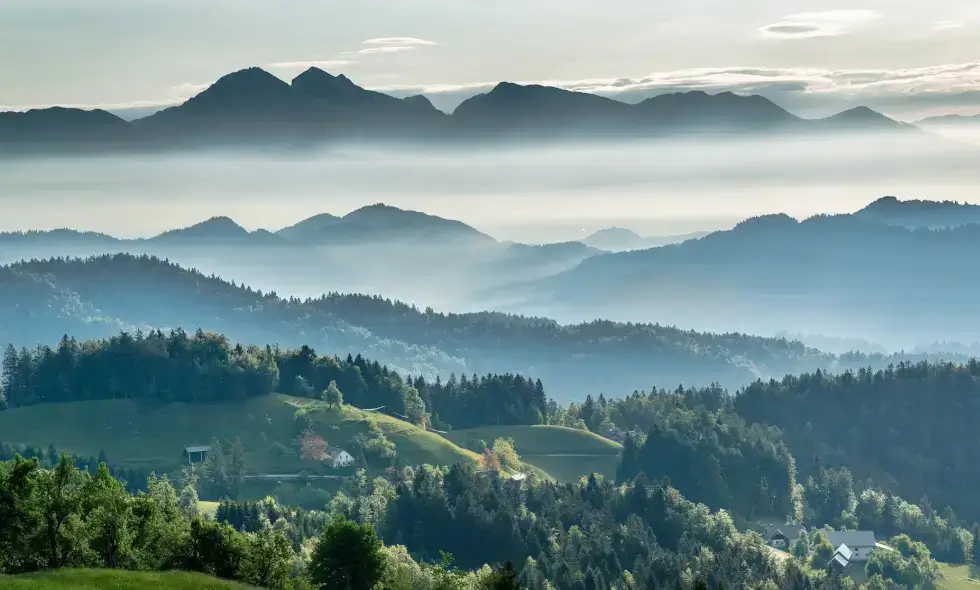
pixel 251 79
pixel 219 227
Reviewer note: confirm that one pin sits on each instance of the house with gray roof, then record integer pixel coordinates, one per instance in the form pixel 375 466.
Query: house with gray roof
pixel 858 543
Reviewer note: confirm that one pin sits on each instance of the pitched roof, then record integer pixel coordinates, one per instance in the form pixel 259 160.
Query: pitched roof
pixel 840 560
pixel 845 551
pixel 851 538
pixel 197 449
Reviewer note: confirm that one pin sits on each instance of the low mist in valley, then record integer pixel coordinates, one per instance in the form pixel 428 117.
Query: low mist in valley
pixel 548 194
pixel 534 194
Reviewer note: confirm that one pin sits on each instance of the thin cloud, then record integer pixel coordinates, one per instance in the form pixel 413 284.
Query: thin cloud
pixel 398 41
pixel 830 23
pixel 187 90
pixel 947 25
pixel 315 63
pixel 387 49
pixel 939 79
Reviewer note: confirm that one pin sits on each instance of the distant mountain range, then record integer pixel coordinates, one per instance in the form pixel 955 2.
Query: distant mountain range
pixel 252 107
pixel 895 272
pixel 374 249
pixel 950 120
pixel 618 239
pixel 98 297
pixel 915 214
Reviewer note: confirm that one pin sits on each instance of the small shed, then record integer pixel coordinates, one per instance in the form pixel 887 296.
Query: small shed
pixel 196 453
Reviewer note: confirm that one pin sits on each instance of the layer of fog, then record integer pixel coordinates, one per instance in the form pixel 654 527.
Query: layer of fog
pixel 532 195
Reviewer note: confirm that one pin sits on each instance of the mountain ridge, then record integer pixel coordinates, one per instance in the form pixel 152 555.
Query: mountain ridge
pixel 317 107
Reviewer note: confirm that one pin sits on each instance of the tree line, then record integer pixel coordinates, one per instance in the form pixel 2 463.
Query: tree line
pixel 203 367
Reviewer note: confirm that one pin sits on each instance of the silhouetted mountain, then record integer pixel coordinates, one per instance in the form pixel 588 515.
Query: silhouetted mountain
pixel 725 111
pixel 57 126
pixel 614 239
pixel 250 102
pixel 384 223
pixel 846 275
pixel 358 110
pixel 950 120
pixel 214 229
pixel 513 108
pixel 309 228
pixel 915 213
pixel 618 239
pixel 862 119
pixel 252 108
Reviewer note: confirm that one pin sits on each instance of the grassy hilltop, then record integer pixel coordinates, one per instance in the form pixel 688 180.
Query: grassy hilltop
pixel 133 434
pixel 565 454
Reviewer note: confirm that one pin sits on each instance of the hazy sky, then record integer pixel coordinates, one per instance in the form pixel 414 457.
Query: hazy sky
pixel 905 57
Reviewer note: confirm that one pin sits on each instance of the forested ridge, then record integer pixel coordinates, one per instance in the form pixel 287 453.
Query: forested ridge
pixel 590 536
pixel 911 428
pixel 100 296
pixel 744 453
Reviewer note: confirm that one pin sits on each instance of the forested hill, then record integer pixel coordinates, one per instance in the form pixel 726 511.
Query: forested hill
pixel 98 297
pixel 910 428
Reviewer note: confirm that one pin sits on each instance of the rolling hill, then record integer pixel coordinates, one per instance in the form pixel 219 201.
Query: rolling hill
pixel 153 436
pixel 565 454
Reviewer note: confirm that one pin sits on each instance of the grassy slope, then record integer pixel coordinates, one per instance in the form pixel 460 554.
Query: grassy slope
pixel 541 447
pixel 132 434
pixel 958 577
pixel 116 580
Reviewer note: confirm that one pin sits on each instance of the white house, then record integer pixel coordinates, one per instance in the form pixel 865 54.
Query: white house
pixel 860 543
pixel 341 458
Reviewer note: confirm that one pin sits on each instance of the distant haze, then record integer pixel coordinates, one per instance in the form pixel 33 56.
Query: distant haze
pixel 536 195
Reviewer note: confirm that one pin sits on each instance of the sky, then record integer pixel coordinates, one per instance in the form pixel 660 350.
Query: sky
pixel 907 58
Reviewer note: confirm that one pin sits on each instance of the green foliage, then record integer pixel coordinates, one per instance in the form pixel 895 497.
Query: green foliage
pixel 911 565
pixel 911 427
pixel 100 579
pixel 65 518
pixel 332 395
pixel 347 556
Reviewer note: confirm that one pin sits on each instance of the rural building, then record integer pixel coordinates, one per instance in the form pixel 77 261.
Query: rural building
pixel 843 557
pixel 196 453
pixel 779 540
pixel 784 536
pixel 518 477
pixel 859 543
pixel 339 458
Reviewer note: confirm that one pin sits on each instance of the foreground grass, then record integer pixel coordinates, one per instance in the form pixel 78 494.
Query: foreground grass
pixel 116 580
pixel 154 436
pixel 565 454
pixel 958 577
